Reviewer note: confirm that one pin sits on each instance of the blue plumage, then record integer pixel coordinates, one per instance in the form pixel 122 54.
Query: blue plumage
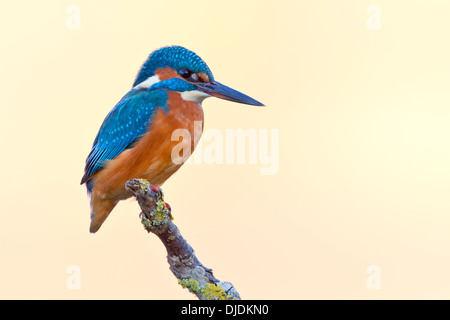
pixel 128 121
pixel 173 84
pixel 123 126
pixel 175 57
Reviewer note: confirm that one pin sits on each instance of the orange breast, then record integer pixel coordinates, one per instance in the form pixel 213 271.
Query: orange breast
pixel 151 157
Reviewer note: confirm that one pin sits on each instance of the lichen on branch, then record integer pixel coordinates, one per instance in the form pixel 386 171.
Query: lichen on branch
pixel 191 274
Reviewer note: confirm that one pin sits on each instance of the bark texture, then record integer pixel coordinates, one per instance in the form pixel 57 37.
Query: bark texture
pixel 190 272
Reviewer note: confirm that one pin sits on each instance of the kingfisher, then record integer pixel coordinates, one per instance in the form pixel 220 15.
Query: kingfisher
pixel 135 138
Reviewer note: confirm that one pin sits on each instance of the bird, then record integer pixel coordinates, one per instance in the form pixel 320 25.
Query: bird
pixel 134 140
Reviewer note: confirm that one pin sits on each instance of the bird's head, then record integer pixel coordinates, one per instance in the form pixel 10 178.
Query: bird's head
pixel 179 69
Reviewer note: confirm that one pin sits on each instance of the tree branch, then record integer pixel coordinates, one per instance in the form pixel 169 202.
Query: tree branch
pixel 189 271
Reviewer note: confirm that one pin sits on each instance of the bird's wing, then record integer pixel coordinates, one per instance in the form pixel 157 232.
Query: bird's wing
pixel 123 126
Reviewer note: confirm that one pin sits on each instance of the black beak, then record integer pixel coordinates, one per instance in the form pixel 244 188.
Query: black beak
pixel 221 91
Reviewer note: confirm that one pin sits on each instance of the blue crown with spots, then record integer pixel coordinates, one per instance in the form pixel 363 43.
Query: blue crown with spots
pixel 175 57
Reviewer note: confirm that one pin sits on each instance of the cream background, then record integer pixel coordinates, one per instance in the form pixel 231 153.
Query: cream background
pixel 364 148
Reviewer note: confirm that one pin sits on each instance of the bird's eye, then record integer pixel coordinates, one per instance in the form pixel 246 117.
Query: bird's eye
pixel 185 73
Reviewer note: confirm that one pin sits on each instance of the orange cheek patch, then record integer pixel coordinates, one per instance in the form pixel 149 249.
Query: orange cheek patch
pixel 203 77
pixel 166 73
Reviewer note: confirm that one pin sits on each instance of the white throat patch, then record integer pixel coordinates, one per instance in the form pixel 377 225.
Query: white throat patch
pixel 147 83
pixel 194 95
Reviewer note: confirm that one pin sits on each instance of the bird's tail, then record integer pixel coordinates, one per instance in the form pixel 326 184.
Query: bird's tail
pixel 100 210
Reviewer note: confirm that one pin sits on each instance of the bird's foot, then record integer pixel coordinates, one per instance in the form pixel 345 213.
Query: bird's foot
pixel 160 195
pixel 160 214
pixel 157 190
pixel 170 211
